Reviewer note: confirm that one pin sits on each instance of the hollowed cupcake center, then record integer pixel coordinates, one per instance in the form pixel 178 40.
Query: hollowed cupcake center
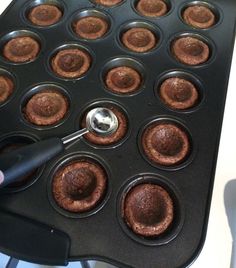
pixel 46 13
pixel 79 183
pixel 193 48
pixel 139 38
pixel 122 79
pixel 167 141
pixel 90 25
pixel 200 14
pixel 179 90
pixel 70 62
pixel 152 6
pixel 46 105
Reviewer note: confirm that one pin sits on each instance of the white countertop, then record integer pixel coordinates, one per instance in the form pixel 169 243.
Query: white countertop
pixel 218 245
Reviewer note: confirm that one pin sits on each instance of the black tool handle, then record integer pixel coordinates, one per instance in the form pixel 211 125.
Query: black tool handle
pixel 15 164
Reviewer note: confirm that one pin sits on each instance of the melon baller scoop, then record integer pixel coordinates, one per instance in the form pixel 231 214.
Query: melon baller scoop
pixel 15 164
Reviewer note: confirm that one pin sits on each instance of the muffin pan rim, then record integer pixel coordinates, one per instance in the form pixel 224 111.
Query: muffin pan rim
pixel 193 147
pixel 37 88
pixel 176 196
pixel 34 3
pixel 70 158
pixel 101 14
pixel 189 76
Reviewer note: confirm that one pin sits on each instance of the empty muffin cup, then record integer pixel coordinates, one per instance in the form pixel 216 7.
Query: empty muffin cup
pixel 45 14
pixel 152 8
pixel 7 86
pixel 71 62
pixel 108 3
pixel 165 143
pixel 114 138
pixel 199 16
pixel 80 185
pixel 190 50
pixel 13 142
pixel 179 93
pixel 139 36
pixel 46 107
pixel 91 24
pixel 148 210
pixel 21 46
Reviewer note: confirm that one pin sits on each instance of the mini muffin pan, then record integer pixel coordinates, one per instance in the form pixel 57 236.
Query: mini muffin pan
pixel 46 233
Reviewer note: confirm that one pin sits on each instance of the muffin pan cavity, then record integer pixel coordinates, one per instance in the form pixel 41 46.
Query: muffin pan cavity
pixel 7 86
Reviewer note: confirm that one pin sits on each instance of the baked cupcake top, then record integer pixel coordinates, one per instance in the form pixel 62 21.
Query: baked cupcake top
pixel 123 80
pixel 190 50
pixel 152 8
pixel 46 108
pixel 108 3
pixel 148 210
pixel 6 88
pixel 199 16
pixel 79 186
pixel 45 15
pixel 178 93
pixel 139 39
pixel 21 49
pixel 165 143
pixel 71 63
pixel 91 27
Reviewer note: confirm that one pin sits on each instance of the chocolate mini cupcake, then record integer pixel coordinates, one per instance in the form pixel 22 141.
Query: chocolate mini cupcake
pixel 123 80
pixel 139 40
pixel 115 137
pixel 21 49
pixel 108 3
pixel 190 50
pixel 79 186
pixel 71 63
pixel 152 8
pixel 6 88
pixel 45 15
pixel 165 143
pixel 199 16
pixel 46 108
pixel 178 93
pixel 148 210
pixel 91 27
